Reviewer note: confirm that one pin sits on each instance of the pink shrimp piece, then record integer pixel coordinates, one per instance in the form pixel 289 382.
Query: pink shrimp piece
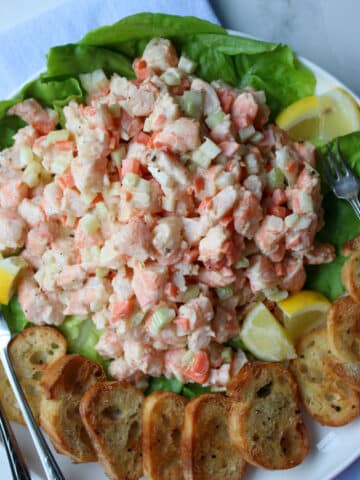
pixel 248 214
pixel 134 239
pixel 320 253
pixel 141 69
pixel 229 148
pixel 261 273
pixel 279 197
pixel 12 192
pixel 32 112
pixel 84 240
pixel 244 110
pixel 122 310
pixel 221 204
pixel 218 278
pixel 165 110
pixel 301 238
pixel 180 136
pixel 225 324
pixel 12 231
pixel 295 276
pixel 143 357
pixel 31 212
pixel 200 338
pixel 92 296
pixel 211 100
pixel 121 370
pixel 226 97
pixel 160 55
pixel 219 377
pixel 148 284
pixel 198 311
pixel 70 277
pixel 306 152
pixel 173 364
pixel 270 238
pixel 130 165
pixel 223 132
pixel 110 345
pixel 38 240
pixel 132 126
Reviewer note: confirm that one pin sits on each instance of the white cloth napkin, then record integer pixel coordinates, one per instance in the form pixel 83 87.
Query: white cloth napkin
pixel 23 48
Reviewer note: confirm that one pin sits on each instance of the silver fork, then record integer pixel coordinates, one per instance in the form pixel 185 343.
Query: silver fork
pixel 47 459
pixel 342 180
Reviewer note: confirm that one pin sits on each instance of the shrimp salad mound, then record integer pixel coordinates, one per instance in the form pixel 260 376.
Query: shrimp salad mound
pixel 162 210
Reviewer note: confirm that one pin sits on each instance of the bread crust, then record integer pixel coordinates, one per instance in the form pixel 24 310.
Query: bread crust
pixel 350 276
pixel 112 415
pixel 30 352
pixel 327 398
pixel 206 448
pixel 63 385
pixel 351 246
pixel 163 419
pixel 266 405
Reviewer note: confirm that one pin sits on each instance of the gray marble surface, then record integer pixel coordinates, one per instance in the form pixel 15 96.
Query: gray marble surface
pixel 325 31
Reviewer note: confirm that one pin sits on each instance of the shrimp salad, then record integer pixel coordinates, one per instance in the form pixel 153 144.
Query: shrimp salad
pixel 163 209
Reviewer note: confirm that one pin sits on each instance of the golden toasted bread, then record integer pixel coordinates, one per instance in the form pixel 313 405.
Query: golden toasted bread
pixel 63 385
pixel 163 418
pixel 265 421
pixel 30 352
pixel 206 449
pixel 343 328
pixel 349 372
pixel 350 276
pixel 351 246
pixel 112 414
pixel 328 399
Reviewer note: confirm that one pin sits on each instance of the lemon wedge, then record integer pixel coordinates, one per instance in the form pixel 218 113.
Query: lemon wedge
pixel 264 337
pixel 326 116
pixel 302 311
pixel 10 269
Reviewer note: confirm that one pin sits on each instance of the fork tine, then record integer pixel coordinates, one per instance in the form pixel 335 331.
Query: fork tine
pixel 334 162
pixel 343 159
pixel 328 172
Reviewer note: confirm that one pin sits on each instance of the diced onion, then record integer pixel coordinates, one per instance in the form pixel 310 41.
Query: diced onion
pixel 57 136
pixel 94 81
pixel 131 180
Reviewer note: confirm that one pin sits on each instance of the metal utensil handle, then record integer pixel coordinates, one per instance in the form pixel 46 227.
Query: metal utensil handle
pixel 16 461
pixel 47 459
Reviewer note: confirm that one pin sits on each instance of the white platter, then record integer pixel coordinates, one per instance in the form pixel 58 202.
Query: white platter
pixel 332 449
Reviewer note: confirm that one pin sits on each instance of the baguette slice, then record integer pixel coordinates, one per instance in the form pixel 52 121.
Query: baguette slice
pixel 350 276
pixel 265 421
pixel 343 328
pixel 63 385
pixel 30 352
pixel 328 399
pixel 163 418
pixel 206 449
pixel 111 412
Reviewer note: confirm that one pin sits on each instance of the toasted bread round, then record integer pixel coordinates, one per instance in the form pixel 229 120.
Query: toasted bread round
pixel 351 246
pixel 349 372
pixel 206 449
pixel 343 328
pixel 63 385
pixel 30 352
pixel 111 412
pixel 8 400
pixel 163 418
pixel 327 398
pixel 265 421
pixel 350 276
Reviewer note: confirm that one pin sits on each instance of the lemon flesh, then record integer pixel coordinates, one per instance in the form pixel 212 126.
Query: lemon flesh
pixel 10 269
pixel 303 311
pixel 325 117
pixel 264 337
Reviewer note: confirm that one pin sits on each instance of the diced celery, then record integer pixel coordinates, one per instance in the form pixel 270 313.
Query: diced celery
pixel 192 291
pixel 192 167
pixel 57 136
pixel 306 202
pixel 252 164
pixel 206 153
pixel 291 220
pixel 227 354
pixel 131 180
pixel 94 81
pixel 192 103
pixel 137 318
pixel 90 254
pixel 101 272
pixel 89 223
pixel 31 174
pixel 281 158
pixel 118 155
pixel 115 189
pixel 246 133
pixel 275 179
pixel 215 118
pixel 61 163
pixel 224 292
pixel 26 156
pixel 186 64
pixel 188 357
pixel 257 137
pixel 171 77
pixel 141 199
pixel 101 210
pixel 160 318
pixel 169 203
pixel 87 197
pixel 115 109
pixel 274 294
pixel 243 262
pixel 70 220
pixel 224 179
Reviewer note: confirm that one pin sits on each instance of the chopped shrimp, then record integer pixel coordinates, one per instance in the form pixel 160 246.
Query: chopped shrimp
pixel 165 110
pixel 167 238
pixel 180 136
pixel 226 96
pixel 12 231
pixel 143 357
pixel 199 369
pixel 138 101
pixel 110 345
pixel 219 377
pixel 90 298
pixel 160 55
pixel 270 238
pixel 301 236
pixel 122 285
pixel 31 212
pixel 38 308
pixel 194 230
pixel 71 277
pixel 261 273
pixel 200 338
pixel 38 240
pixel 148 284
pixel 130 126
pixel 248 214
pixel 218 278
pixel 244 110
pixel 198 311
pixel 122 310
pixel 211 100
pixel 221 204
pixel 85 240
pixel 173 363
pixel 89 176
pixel 134 239
pixel 212 247
pixel 12 189
pixel 320 253
pixel 295 276
pixel 32 112
pixel 306 152
pixel 225 324
pixel 222 132
pixel 52 197
pixel 121 370
pixel 255 185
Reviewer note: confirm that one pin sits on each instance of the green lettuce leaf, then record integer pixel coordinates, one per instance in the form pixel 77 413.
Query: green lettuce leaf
pixel 14 315
pixel 341 224
pixel 166 384
pixel 9 125
pixel 192 390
